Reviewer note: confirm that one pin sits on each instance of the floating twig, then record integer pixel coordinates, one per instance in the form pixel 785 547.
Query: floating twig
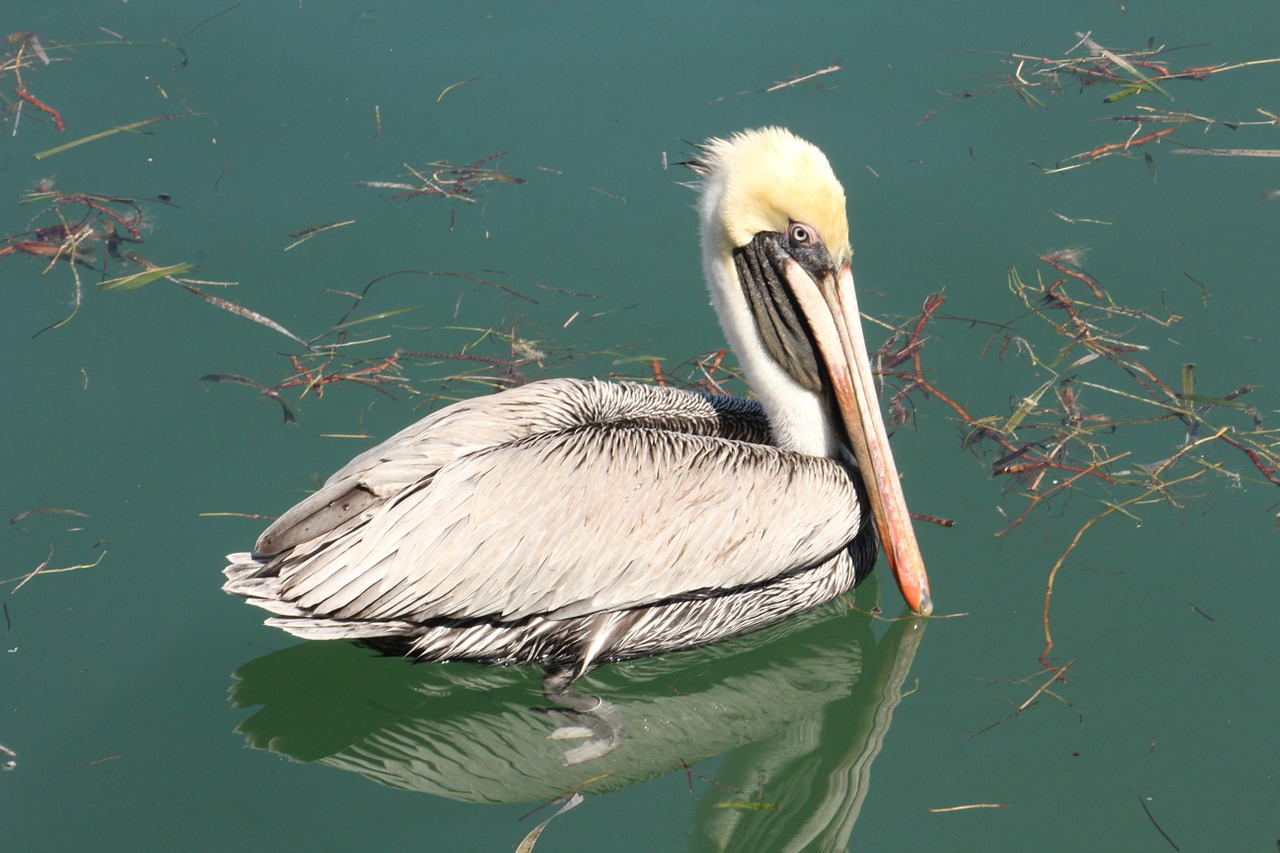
pixel 43 107
pixel 786 84
pixel 1229 152
pixel 41 569
pixel 441 179
pixel 269 393
pixel 22 516
pixel 307 233
pixel 1143 802
pixel 526 846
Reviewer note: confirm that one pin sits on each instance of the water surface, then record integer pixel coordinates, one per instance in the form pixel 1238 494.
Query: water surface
pixel 117 679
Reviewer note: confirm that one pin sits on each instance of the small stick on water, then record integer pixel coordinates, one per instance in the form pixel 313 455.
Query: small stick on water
pixel 447 89
pixel 1056 676
pixel 1202 613
pixel 99 761
pixel 1229 152
pixel 830 69
pixel 785 84
pixel 307 233
pixel 1142 801
pixel 45 510
pixel 933 519
pixel 561 796
pixel 41 570
pixel 208 20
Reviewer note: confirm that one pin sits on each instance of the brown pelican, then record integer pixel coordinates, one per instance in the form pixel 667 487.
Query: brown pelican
pixel 574 522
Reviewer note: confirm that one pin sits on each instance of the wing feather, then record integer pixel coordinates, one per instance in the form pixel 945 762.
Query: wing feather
pixel 411 457
pixel 579 521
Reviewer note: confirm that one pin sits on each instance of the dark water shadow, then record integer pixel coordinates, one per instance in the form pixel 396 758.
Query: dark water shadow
pixel 801 709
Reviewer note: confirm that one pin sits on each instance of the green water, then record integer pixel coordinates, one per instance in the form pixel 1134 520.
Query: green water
pixel 117 687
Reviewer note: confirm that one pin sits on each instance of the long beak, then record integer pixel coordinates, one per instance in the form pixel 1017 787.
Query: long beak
pixel 832 311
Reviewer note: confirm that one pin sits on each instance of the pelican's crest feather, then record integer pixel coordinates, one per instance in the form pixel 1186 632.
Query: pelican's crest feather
pixel 765 179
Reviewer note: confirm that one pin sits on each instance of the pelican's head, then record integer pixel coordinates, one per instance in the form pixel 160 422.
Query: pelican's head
pixel 762 181
pixel 775 250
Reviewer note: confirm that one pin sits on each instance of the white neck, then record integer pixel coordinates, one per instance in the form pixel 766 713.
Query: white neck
pixel 797 416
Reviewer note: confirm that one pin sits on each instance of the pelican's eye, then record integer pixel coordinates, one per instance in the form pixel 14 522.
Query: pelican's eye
pixel 801 234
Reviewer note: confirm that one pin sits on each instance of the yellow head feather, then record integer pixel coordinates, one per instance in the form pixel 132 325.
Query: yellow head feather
pixel 770 178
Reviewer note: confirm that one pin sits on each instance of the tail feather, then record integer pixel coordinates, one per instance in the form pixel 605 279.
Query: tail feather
pixel 337 629
pixel 254 579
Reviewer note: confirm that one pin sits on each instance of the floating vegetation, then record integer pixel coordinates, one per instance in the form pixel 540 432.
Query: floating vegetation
pixel 787 84
pixel 43 568
pixel 76 230
pixel 45 510
pixel 526 845
pixel 94 137
pixel 361 352
pixel 458 183
pixel 90 231
pixel 1144 72
pixel 1065 430
pixel 27 52
pixel 306 234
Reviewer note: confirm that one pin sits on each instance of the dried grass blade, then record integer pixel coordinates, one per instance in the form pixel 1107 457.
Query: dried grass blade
pixel 1229 152
pixel 138 279
pixel 307 233
pixel 526 846
pixel 93 137
pixel 241 311
pixel 372 317
pixel 44 510
pixel 1123 63
pixel 1028 403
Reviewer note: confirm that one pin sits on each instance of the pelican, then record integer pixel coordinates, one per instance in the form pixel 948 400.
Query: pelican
pixel 573 522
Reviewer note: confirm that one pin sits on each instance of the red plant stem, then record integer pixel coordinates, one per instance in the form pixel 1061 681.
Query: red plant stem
pixel 44 108
pixel 1076 274
pixel 657 373
pixel 1125 146
pixel 1268 472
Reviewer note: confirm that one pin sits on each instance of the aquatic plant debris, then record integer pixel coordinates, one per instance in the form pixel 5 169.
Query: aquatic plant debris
pixel 43 568
pixel 457 183
pixel 29 53
pixel 1058 434
pixel 46 510
pixel 786 84
pixel 90 232
pixel 307 233
pixel 1143 802
pixel 1131 73
pixel 103 134
pixel 526 846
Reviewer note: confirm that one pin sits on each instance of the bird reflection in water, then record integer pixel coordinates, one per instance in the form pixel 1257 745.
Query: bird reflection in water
pixel 808 702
